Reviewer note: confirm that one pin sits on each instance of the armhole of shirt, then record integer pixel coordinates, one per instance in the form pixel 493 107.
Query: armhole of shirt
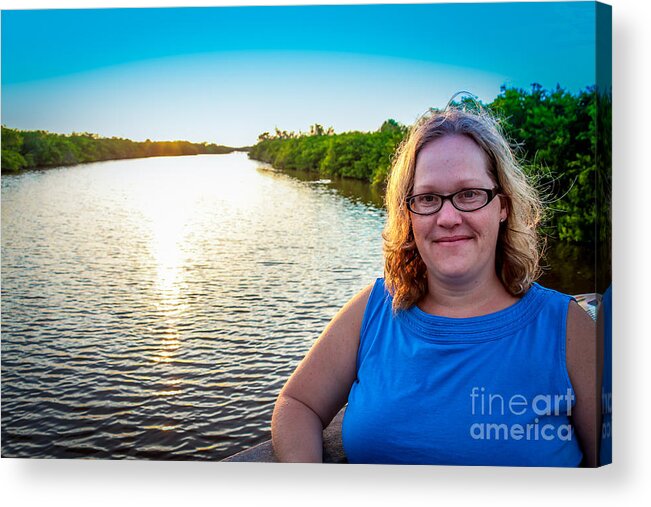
pixel 370 305
pixel 565 375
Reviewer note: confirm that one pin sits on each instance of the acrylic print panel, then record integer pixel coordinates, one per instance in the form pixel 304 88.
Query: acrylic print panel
pixel 190 196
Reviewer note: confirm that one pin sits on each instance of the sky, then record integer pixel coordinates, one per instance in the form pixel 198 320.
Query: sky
pixel 227 74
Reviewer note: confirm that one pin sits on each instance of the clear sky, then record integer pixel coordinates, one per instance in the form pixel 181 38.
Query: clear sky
pixel 227 74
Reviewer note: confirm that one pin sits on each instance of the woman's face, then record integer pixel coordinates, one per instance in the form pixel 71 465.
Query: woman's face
pixel 457 247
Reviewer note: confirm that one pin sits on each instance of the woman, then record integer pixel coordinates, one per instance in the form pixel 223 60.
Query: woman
pixel 456 356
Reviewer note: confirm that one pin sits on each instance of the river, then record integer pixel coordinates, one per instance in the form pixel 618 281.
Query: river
pixel 153 308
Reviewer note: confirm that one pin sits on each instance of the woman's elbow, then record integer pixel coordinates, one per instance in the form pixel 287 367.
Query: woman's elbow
pixel 296 432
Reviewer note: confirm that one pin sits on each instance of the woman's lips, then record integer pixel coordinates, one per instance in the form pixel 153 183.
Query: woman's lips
pixel 451 240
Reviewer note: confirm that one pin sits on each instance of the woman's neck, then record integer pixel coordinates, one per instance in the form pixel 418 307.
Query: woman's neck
pixel 460 300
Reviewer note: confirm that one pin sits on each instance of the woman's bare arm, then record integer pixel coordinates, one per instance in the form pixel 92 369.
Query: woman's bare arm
pixel 583 351
pixel 319 387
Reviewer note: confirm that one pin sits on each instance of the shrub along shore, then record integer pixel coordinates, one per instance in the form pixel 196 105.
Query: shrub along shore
pixel 562 140
pixel 27 149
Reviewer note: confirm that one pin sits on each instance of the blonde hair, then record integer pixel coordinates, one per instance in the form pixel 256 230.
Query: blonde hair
pixel 518 244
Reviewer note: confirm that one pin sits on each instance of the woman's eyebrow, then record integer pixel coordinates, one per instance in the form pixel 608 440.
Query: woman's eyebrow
pixel 424 188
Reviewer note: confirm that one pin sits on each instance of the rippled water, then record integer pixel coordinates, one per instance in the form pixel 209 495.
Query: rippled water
pixel 154 308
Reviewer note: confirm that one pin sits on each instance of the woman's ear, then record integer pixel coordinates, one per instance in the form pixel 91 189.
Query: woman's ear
pixel 504 208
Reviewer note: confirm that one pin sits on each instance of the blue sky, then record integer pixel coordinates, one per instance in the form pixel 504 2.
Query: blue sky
pixel 226 74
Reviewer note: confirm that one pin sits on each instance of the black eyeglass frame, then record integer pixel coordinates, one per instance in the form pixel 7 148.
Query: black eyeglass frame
pixel 491 192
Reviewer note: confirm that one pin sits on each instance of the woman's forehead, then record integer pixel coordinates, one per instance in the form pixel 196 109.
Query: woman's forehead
pixel 452 162
pixel 450 149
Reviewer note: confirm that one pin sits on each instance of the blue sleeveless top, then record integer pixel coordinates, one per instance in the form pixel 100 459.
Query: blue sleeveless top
pixel 487 390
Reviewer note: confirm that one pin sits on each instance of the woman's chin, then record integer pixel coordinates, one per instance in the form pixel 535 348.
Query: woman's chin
pixel 454 274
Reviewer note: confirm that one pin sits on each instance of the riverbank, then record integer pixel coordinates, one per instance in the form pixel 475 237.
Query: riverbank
pixel 33 149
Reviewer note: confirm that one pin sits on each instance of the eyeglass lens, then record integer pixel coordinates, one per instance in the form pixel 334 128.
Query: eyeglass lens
pixel 464 200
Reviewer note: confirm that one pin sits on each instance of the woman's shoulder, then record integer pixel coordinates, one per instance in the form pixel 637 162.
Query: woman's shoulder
pixel 578 305
pixel 546 300
pixel 355 308
pixel 360 299
pixel 379 284
pixel 550 293
pixel 375 292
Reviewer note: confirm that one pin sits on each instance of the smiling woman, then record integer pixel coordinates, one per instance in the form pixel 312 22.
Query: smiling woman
pixel 458 246
pixel 427 355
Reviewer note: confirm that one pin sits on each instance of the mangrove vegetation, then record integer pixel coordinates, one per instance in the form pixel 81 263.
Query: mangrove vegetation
pixel 38 148
pixel 561 138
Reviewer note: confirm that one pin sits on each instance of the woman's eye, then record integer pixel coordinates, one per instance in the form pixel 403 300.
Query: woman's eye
pixel 427 199
pixel 469 195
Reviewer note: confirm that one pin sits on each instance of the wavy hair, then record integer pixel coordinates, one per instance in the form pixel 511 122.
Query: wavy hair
pixel 518 243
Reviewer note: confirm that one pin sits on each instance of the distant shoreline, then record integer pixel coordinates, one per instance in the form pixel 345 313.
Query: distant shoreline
pixel 46 167
pixel 39 149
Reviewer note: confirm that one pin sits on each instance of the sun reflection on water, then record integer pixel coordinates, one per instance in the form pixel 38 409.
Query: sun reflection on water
pixel 167 348
pixel 167 249
pixel 167 216
pixel 177 292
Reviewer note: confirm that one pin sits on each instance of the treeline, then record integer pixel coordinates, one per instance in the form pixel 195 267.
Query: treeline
pixel 562 139
pixel 565 144
pixel 361 155
pixel 38 148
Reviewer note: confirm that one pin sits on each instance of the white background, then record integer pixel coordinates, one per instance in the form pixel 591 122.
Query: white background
pixel 83 482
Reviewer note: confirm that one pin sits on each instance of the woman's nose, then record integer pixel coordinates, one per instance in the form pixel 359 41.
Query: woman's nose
pixel 448 215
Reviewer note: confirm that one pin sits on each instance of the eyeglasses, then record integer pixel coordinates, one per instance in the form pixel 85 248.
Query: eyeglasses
pixel 468 199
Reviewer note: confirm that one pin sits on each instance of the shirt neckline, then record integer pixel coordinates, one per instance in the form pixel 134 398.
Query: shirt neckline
pixel 492 326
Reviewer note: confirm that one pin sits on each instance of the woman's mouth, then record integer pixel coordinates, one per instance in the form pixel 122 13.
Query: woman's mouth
pixel 452 240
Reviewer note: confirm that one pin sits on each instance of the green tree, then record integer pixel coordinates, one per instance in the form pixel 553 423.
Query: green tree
pixel 557 134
